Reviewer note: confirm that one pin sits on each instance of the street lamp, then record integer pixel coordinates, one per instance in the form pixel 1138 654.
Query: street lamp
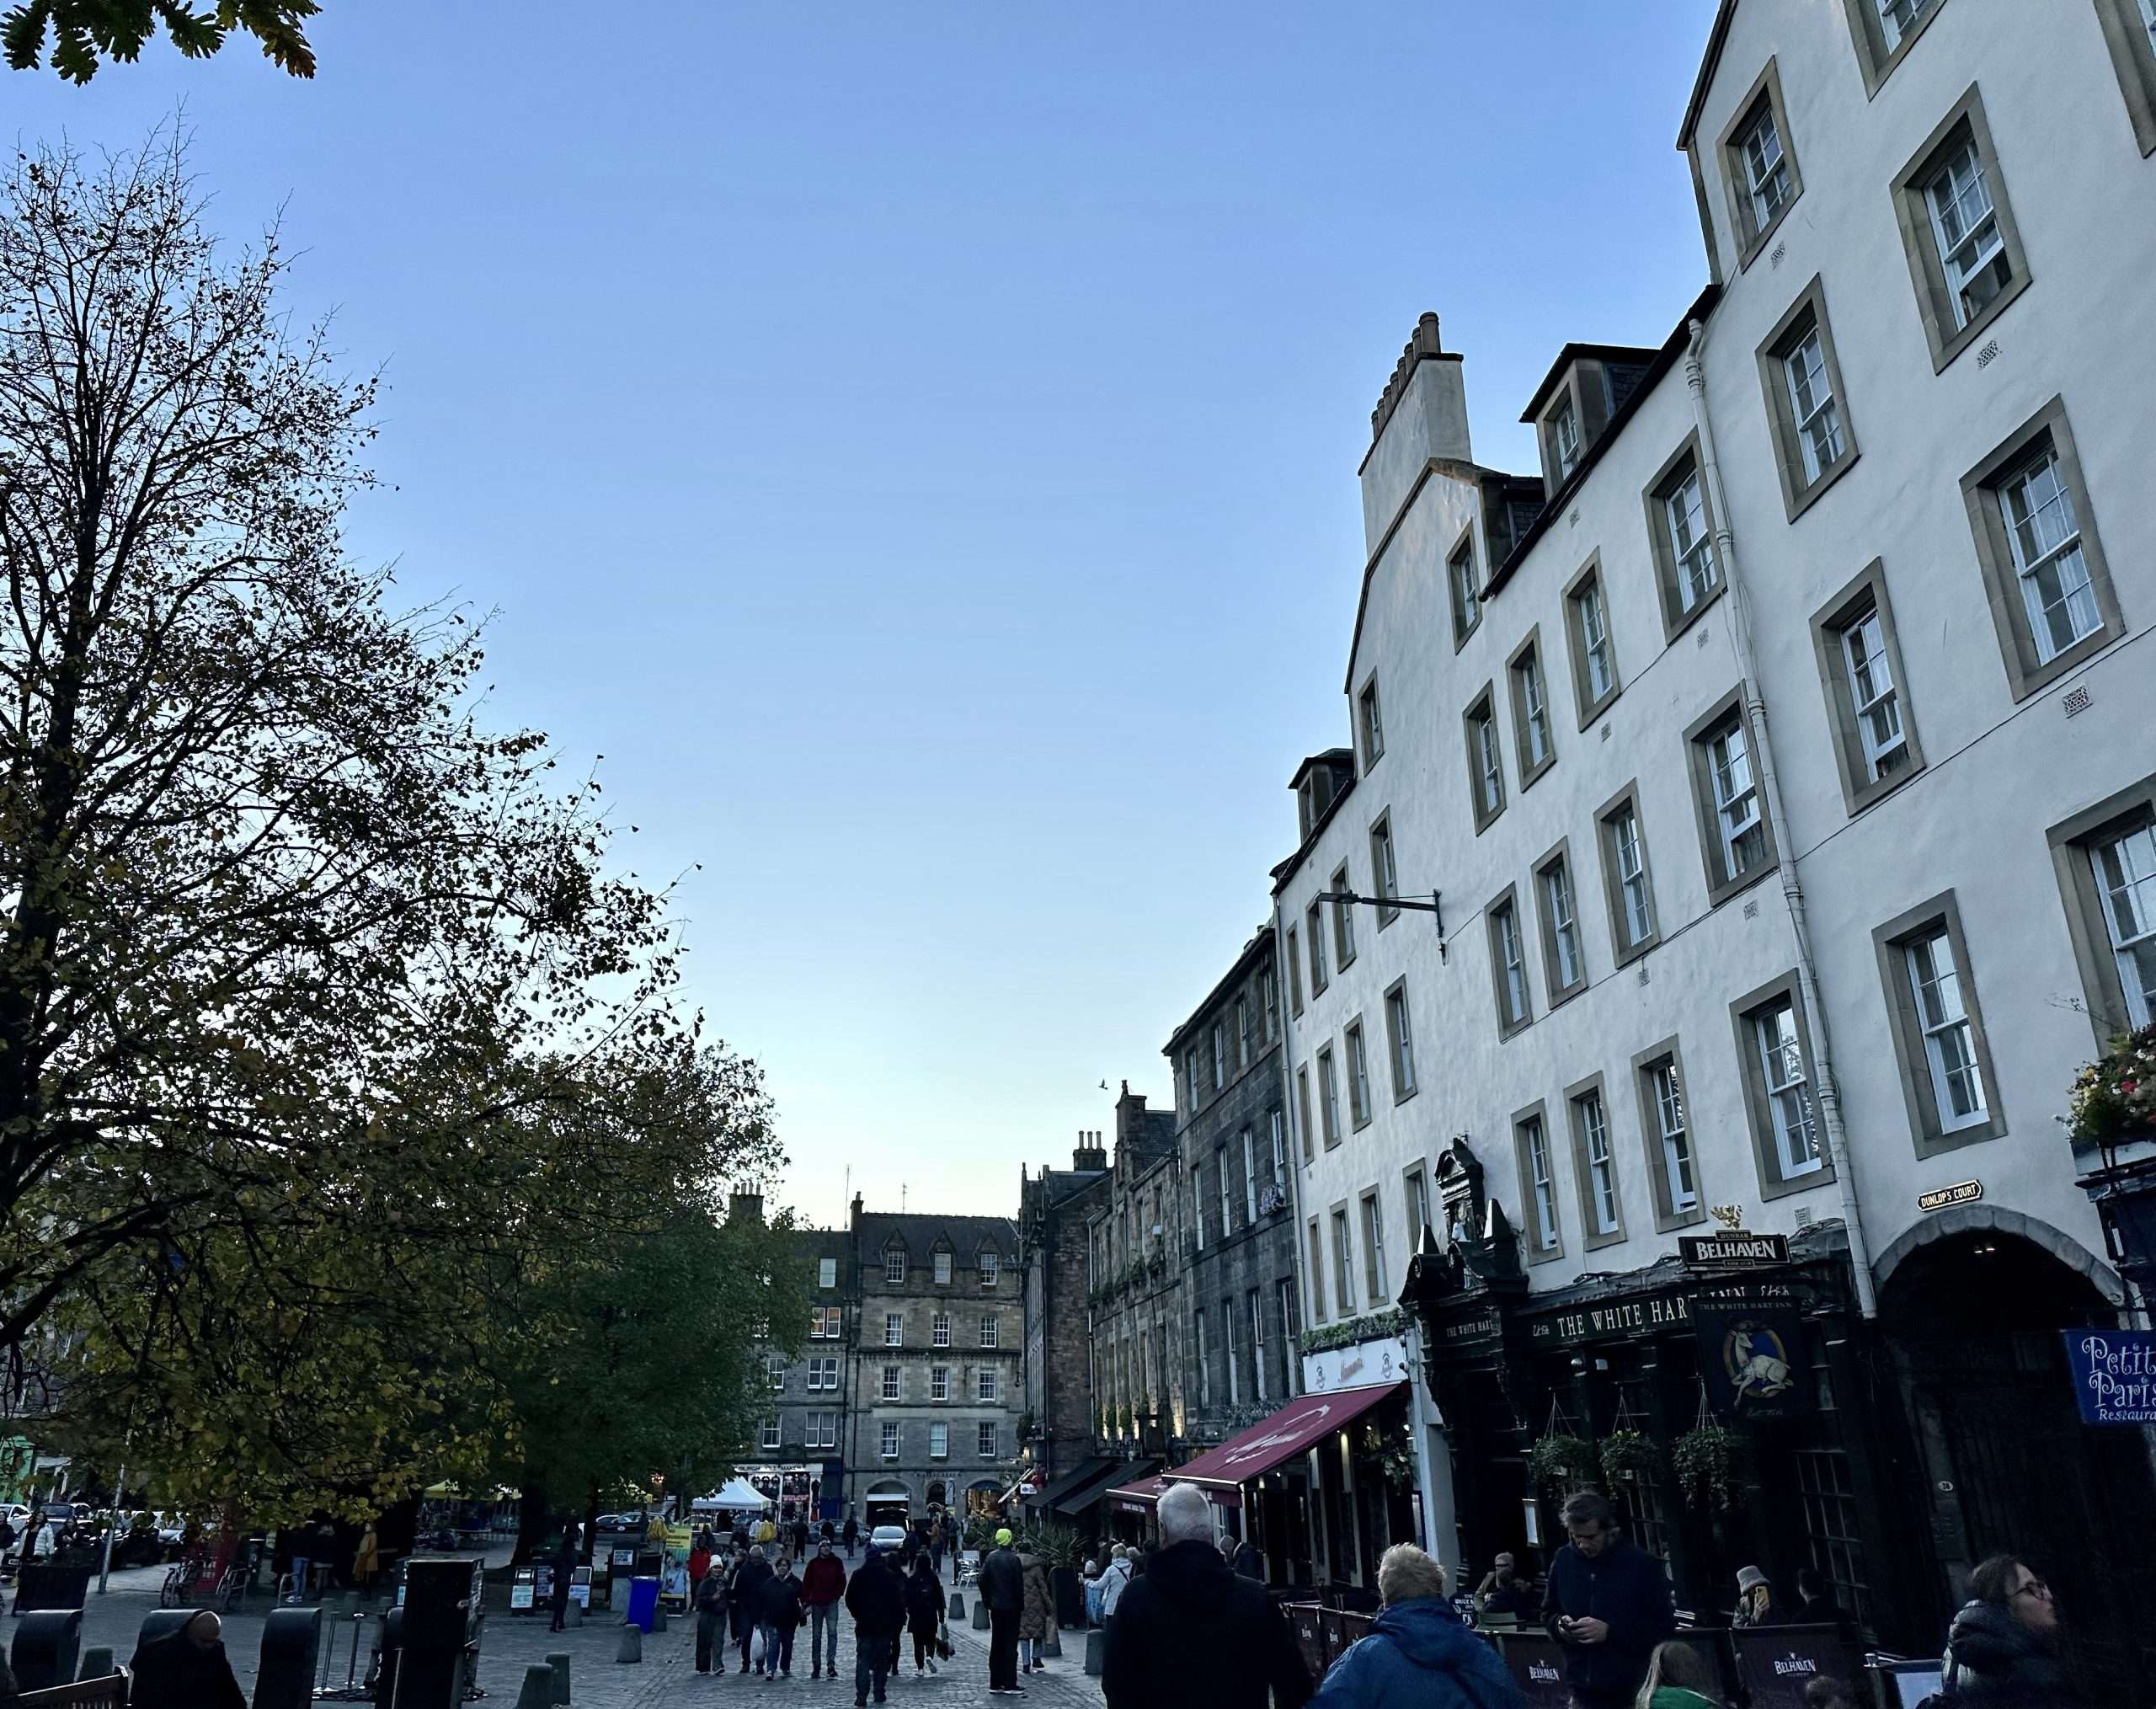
pixel 1435 907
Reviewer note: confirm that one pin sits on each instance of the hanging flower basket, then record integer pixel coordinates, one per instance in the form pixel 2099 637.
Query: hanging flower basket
pixel 1564 1461
pixel 1629 1455
pixel 2114 1097
pixel 1710 1463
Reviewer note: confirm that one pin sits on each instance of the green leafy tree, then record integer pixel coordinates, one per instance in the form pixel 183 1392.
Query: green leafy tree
pixel 84 34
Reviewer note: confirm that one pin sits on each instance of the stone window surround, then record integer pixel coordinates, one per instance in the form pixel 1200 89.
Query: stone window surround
pixel 1328 1073
pixel 1294 973
pixel 1591 1241
pixel 1720 888
pixel 1340 1225
pixel 1644 1062
pixel 1356 1042
pixel 1537 1254
pixel 1529 653
pixel 1381 830
pixel 1315 1272
pixel 2069 839
pixel 1798 492
pixel 1370 1202
pixel 1344 949
pixel 1466 620
pixel 1508 1028
pixel 2133 56
pixel 1758 1117
pixel 1557 992
pixel 1588 707
pixel 2010 612
pixel 1890 941
pixel 1369 722
pixel 1751 237
pixel 1613 897
pixel 1484 705
pixel 1867 591
pixel 1674 621
pixel 1873 58
pixel 1314 919
pixel 1913 214
pixel 1398 988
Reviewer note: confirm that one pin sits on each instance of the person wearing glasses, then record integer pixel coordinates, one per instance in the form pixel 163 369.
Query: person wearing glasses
pixel 1608 1603
pixel 2001 1651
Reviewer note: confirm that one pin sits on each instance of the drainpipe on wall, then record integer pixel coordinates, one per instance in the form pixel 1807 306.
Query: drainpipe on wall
pixel 1293 1125
pixel 1755 713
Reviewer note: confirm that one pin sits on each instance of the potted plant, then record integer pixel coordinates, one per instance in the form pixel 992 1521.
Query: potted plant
pixel 1629 1455
pixel 2114 1097
pixel 1710 1463
pixel 1564 1459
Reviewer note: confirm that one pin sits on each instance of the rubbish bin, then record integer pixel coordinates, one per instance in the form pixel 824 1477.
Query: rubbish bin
pixel 643 1603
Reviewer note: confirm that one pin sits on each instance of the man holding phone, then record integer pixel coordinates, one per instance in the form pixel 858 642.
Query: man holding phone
pixel 1609 1604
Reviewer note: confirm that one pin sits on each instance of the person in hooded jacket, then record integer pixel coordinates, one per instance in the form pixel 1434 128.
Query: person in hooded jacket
pixel 1191 1632
pixel 711 1619
pixel 780 1615
pixel 186 1669
pixel 2001 1651
pixel 1418 1654
pixel 1034 1612
pixel 924 1613
pixel 745 1594
pixel 876 1601
pixel 1002 1585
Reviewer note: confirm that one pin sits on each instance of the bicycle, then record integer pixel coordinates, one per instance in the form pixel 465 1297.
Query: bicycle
pixel 179 1589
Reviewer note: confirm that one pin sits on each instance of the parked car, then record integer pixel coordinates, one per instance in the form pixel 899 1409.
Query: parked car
pixel 888 1537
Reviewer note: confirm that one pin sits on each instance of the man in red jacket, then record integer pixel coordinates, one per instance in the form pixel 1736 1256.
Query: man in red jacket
pixel 822 1584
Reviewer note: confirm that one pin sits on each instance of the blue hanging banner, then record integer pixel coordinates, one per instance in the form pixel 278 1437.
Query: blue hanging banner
pixel 2114 1375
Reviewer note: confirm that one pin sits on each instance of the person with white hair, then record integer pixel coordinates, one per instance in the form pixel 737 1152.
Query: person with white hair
pixel 1418 1654
pixel 1115 1580
pixel 1190 1631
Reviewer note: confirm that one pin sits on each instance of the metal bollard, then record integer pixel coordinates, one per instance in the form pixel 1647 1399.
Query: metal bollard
pixel 47 1645
pixel 558 1663
pixel 631 1649
pixel 97 1663
pixel 1096 1652
pixel 538 1689
pixel 291 1639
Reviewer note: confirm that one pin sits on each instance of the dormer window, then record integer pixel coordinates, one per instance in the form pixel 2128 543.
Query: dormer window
pixel 942 1269
pixel 895 1265
pixel 988 1267
pixel 1565 438
pixel 1766 171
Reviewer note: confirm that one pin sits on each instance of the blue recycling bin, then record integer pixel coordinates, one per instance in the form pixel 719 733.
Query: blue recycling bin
pixel 643 1603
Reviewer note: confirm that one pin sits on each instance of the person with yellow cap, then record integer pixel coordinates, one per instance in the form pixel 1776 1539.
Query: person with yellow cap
pixel 1003 1591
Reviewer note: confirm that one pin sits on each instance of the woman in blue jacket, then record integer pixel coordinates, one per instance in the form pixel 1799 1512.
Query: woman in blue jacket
pixel 1418 1655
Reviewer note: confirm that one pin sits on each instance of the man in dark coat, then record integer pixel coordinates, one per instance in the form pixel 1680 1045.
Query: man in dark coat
pixel 564 1566
pixel 1191 1632
pixel 746 1592
pixel 876 1601
pixel 852 1534
pixel 1609 1604
pixel 186 1669
pixel 1002 1587
pixel 2001 1651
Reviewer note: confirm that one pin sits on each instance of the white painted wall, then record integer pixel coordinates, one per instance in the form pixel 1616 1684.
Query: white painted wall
pixel 1997 773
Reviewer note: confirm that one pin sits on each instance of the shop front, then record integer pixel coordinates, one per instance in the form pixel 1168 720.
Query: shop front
pixel 1131 1508
pixel 1320 1488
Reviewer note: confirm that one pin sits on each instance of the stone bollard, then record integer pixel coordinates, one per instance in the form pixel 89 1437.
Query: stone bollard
pixel 658 1616
pixel 573 1614
pixel 981 1621
pixel 1052 1645
pixel 558 1662
pixel 1097 1651
pixel 631 1649
pixel 958 1606
pixel 538 1689
pixel 97 1663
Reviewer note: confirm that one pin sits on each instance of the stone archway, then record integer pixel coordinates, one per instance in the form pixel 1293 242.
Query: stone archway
pixel 1990 1218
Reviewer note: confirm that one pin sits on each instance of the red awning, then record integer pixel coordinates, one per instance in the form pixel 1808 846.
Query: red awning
pixel 1252 1453
pixel 1139 1496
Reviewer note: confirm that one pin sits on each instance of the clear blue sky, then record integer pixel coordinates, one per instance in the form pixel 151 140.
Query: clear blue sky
pixel 915 444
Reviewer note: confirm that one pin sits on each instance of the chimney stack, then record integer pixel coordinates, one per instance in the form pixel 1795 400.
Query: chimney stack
pixel 746 1204
pixel 1090 1154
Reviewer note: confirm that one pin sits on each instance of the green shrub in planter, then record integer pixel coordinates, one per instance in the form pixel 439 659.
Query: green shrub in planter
pixel 1710 1463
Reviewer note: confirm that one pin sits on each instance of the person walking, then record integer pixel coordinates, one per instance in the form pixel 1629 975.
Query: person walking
pixel 801 1538
pixel 2002 1650
pixel 1191 1632
pixel 1002 1589
pixel 1503 1593
pixel 1679 1677
pixel 1035 1615
pixel 187 1668
pixel 852 1534
pixel 1608 1604
pixel 953 1543
pixel 877 1602
pixel 1418 1654
pixel 711 1618
pixel 1115 1580
pixel 823 1582
pixel 779 1613
pixel 746 1592
pixel 924 1613
pixel 565 1568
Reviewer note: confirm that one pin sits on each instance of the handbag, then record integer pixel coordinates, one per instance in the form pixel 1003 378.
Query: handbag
pixel 942 1640
pixel 757 1647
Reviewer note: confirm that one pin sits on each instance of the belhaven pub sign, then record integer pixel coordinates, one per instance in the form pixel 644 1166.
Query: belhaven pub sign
pixel 2114 1375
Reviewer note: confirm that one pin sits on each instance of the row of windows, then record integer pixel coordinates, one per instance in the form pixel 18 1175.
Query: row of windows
pixel 1232 1043
pixel 1400 1057
pixel 1246 1367
pixel 987 1444
pixel 1264 1180
pixel 818 1430
pixel 939 1329
pixel 989 1263
pixel 988 1383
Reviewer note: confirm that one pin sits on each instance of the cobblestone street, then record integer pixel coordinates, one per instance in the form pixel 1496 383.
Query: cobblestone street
pixel 666 1675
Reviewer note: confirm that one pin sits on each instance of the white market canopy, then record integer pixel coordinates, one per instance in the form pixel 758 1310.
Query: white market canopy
pixel 736 1498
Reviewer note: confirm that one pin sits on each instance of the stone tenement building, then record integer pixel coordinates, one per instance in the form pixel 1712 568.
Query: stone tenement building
pixel 1235 1227
pixel 1133 1283
pixel 1052 1210
pixel 937 1395
pixel 797 1456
